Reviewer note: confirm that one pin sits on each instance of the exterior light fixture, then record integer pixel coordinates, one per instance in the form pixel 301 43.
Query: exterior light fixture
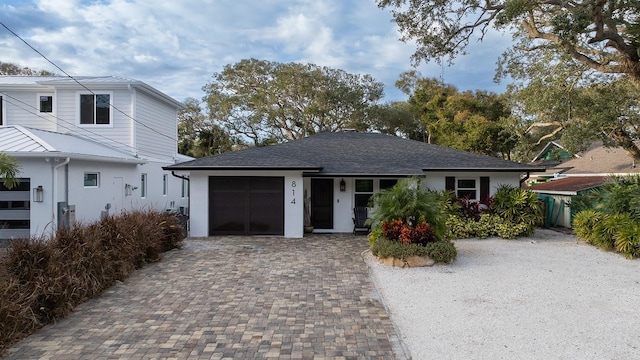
pixel 343 186
pixel 38 194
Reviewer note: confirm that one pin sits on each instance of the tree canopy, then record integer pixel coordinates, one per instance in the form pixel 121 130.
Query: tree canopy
pixel 601 35
pixel 438 113
pixel 14 69
pixel 274 102
pixel 199 136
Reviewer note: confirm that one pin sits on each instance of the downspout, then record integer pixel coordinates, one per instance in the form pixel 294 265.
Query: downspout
pixel 54 193
pixel 185 178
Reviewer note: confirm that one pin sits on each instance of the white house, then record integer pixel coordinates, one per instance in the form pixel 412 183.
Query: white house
pixel 262 190
pixel 87 146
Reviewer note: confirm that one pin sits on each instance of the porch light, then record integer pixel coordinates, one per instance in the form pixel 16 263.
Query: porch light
pixel 343 186
pixel 38 194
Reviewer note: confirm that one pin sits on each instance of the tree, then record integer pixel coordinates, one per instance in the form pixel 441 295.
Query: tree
pixel 198 136
pixel 559 99
pixel 274 102
pixel 14 69
pixel 9 169
pixel 470 121
pixel 601 35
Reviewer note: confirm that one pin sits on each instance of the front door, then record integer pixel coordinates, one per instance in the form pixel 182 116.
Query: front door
pixel 322 203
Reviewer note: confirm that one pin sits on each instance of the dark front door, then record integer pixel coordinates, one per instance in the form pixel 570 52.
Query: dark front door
pixel 322 203
pixel 246 205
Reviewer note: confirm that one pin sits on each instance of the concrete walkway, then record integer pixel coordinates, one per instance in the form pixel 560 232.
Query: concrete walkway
pixel 232 297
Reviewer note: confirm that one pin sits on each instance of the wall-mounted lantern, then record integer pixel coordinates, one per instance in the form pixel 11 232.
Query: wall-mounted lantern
pixel 343 186
pixel 38 194
pixel 128 189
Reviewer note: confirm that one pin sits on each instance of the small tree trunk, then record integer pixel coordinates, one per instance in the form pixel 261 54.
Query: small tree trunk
pixel 626 142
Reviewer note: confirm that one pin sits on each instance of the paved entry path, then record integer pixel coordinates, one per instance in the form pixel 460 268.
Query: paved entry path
pixel 232 297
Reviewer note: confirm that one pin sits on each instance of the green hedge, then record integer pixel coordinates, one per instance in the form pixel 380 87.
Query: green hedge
pixel 487 226
pixel 42 280
pixel 440 251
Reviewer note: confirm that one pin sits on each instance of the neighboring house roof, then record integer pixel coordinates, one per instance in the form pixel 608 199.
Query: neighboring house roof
pixel 569 185
pixel 103 82
pixel 23 142
pixel 354 153
pixel 598 160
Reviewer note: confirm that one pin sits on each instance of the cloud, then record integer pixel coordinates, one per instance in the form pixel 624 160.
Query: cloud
pixel 177 45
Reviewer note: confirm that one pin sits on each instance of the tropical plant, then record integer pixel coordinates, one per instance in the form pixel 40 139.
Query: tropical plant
pixel 9 169
pixel 408 202
pixel 517 205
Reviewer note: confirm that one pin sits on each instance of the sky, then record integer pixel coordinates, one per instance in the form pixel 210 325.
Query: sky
pixel 176 46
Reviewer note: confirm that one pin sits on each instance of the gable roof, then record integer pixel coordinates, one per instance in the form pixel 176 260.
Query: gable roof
pixel 24 142
pixel 354 154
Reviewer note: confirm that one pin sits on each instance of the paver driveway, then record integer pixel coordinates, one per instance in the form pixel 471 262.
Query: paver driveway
pixel 232 297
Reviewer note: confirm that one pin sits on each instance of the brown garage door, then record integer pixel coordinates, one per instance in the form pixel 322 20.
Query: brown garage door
pixel 246 205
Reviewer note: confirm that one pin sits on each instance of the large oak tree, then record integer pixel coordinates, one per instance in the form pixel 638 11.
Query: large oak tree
pixel 274 102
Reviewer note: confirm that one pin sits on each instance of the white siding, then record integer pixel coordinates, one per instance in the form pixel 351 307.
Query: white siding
pixel 156 129
pixel 23 108
pixel 117 134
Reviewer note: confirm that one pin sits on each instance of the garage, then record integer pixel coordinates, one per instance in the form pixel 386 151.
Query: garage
pixel 246 205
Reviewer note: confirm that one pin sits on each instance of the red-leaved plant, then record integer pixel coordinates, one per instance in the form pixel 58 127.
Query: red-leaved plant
pixel 397 230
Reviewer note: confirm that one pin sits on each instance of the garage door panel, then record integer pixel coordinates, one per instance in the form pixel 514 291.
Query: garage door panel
pixel 266 213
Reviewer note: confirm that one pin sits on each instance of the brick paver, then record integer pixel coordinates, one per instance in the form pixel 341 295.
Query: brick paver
pixel 232 297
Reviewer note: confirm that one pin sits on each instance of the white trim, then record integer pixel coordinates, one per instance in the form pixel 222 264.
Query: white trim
pixel 78 110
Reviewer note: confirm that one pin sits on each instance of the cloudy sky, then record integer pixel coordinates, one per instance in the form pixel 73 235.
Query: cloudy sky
pixel 176 46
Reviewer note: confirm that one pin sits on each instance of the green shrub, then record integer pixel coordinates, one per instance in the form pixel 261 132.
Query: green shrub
pixel 487 226
pixel 517 205
pixel 440 251
pixel 627 239
pixel 584 224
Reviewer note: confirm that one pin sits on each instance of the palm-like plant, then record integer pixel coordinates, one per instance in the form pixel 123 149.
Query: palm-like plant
pixel 9 168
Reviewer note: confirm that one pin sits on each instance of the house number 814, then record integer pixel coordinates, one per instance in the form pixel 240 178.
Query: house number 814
pixel 293 192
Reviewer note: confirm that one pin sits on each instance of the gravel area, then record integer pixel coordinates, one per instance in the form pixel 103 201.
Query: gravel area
pixel 543 297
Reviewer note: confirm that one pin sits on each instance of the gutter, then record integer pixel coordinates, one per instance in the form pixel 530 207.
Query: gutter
pixel 525 178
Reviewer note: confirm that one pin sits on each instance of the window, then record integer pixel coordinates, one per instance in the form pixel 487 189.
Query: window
pixel 466 188
pixel 143 185
pixel 94 109
pixel 387 183
pixel 1 123
pixel 165 184
pixel 364 191
pixel 46 103
pixel 91 180
pixel 185 188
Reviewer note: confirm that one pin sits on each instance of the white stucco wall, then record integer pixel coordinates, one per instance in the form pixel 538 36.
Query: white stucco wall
pixel 436 180
pixel 91 201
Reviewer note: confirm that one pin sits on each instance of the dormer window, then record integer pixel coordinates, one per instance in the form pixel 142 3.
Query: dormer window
pixel 95 109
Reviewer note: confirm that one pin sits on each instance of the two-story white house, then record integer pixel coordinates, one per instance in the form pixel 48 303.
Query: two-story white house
pixel 87 147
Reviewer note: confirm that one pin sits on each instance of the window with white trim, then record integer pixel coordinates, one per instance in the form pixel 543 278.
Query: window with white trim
pixel 1 115
pixel 46 103
pixel 467 188
pixel 165 184
pixel 363 192
pixel 95 109
pixel 143 185
pixel 91 179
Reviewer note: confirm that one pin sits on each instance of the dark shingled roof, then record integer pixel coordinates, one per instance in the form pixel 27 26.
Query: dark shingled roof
pixel 354 153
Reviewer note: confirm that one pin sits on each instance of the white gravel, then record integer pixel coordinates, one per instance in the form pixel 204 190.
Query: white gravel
pixel 543 297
